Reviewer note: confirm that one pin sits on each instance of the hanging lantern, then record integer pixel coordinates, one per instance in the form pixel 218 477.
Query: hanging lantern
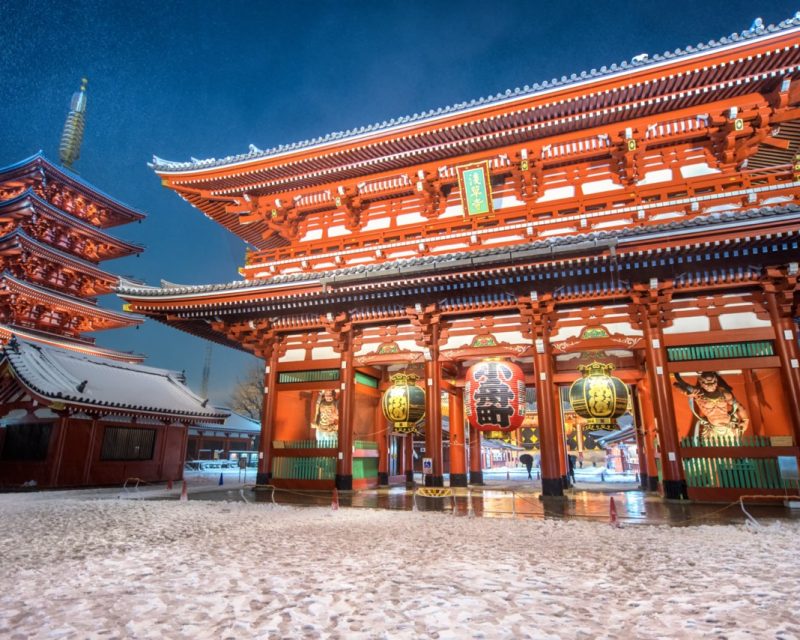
pixel 598 396
pixel 403 403
pixel 494 394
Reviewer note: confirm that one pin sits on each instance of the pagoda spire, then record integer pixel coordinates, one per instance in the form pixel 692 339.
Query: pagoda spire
pixel 70 148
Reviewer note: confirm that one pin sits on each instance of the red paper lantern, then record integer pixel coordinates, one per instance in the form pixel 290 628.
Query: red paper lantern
pixel 494 395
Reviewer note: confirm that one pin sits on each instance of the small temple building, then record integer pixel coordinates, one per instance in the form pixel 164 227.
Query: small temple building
pixel 526 268
pixel 235 438
pixel 73 412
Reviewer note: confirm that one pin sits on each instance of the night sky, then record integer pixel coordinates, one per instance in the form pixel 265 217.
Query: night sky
pixel 208 78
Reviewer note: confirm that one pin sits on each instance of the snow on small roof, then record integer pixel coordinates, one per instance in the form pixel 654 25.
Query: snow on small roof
pixel 637 62
pixel 235 422
pixel 8 331
pixel 95 382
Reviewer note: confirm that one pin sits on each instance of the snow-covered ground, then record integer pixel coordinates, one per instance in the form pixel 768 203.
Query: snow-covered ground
pixel 85 567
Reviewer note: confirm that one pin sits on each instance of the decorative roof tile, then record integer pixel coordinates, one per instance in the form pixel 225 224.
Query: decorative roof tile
pixel 637 62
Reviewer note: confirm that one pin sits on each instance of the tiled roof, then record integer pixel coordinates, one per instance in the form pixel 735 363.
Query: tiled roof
pixel 636 63
pixel 18 238
pixel 234 423
pixel 56 298
pixel 100 383
pixel 554 248
pixel 30 199
pixel 67 175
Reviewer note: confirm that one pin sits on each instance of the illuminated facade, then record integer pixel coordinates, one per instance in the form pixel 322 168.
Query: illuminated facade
pixel 53 239
pixel 643 215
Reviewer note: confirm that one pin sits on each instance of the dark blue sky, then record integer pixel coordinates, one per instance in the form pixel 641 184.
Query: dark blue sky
pixel 208 78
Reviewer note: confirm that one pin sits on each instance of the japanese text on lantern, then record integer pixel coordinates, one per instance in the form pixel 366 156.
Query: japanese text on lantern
pixel 493 396
pixel 495 392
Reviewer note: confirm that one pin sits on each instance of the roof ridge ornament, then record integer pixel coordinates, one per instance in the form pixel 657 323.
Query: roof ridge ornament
pixel 72 137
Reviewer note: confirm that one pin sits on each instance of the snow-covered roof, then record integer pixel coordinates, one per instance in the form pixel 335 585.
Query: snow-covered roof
pixel 234 423
pixel 92 382
pixel 642 61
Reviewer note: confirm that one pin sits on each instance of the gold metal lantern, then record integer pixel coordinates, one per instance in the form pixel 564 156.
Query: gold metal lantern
pixel 403 403
pixel 598 396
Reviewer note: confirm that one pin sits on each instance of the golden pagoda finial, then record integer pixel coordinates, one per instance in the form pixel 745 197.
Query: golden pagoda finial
pixel 72 137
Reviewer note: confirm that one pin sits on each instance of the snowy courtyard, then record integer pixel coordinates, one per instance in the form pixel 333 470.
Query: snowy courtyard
pixel 92 568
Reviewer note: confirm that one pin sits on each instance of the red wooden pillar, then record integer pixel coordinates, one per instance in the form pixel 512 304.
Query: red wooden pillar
pixel 647 440
pixel 788 353
pixel 264 473
pixel 226 445
pixel 475 458
pixel 344 463
pixel 754 404
pixel 200 438
pixel 641 441
pixel 558 414
pixel 673 484
pixel 433 414
pixel 87 464
pixel 381 434
pixel 58 452
pixel 162 453
pixel 184 447
pixel 549 431
pixel 408 458
pixel 458 451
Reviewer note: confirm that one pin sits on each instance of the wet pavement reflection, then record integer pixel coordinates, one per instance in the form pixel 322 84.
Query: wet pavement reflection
pixel 524 500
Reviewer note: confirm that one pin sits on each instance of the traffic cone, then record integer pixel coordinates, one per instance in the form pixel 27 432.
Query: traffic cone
pixel 335 499
pixel 220 479
pixel 184 492
pixel 612 512
pixel 169 484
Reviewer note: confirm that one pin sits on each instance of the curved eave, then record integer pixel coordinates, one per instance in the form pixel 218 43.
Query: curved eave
pixel 52 340
pixel 18 238
pixel 112 408
pixel 60 300
pixel 124 214
pixel 29 199
pixel 713 62
pixel 297 296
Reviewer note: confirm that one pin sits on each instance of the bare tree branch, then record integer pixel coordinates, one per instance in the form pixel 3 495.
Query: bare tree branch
pixel 249 394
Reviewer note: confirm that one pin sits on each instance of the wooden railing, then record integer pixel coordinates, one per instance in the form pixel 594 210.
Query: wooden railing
pixel 304 468
pixel 732 466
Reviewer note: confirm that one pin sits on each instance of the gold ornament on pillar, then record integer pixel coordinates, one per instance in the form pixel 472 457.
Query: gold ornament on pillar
pixel 599 397
pixel 403 403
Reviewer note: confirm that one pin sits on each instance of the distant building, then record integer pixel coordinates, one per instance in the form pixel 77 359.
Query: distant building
pixel 71 419
pixel 236 437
